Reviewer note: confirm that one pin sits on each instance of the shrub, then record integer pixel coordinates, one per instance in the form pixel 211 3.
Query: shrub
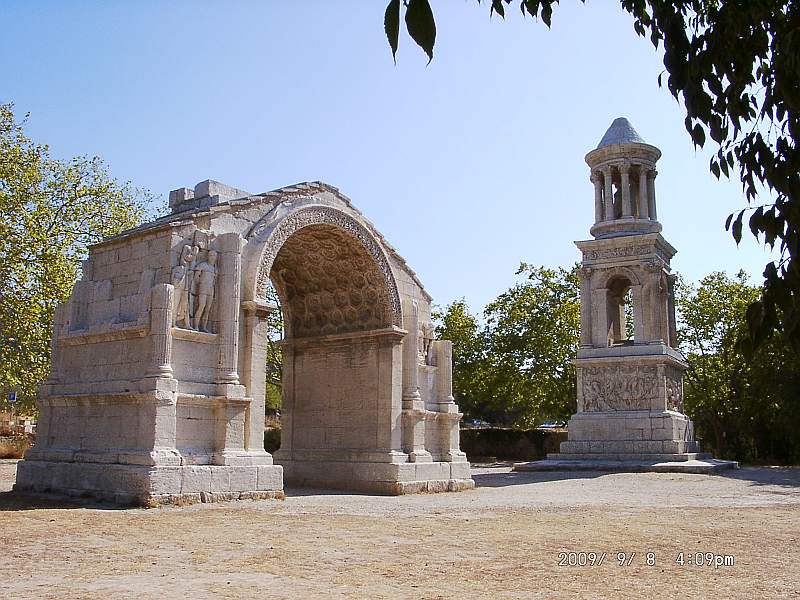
pixel 272 439
pixel 14 447
pixel 510 444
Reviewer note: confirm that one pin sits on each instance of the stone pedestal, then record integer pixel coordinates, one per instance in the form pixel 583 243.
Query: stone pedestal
pixel 140 485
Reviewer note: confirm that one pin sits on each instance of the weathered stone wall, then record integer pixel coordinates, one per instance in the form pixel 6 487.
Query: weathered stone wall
pixel 158 382
pixel 336 402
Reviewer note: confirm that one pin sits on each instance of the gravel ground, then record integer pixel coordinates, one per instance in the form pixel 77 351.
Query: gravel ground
pixel 503 539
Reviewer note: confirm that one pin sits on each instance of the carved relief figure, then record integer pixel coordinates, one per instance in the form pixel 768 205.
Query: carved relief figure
pixel 618 388
pixel 674 382
pixel 182 281
pixel 425 338
pixel 204 280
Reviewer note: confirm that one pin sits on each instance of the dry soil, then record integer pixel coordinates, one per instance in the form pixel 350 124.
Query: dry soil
pixel 504 539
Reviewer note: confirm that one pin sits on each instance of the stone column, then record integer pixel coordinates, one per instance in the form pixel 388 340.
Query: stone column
pixel 638 314
pixel 411 393
pixel 599 318
pixel 446 425
pixel 443 361
pixel 227 300
pixel 161 303
pixel 254 377
pixel 413 405
pixel 624 172
pixel 651 193
pixel 644 208
pixel 161 413
pixel 586 307
pixel 230 413
pixel 596 179
pixel 673 327
pixel 655 308
pixel 390 364
pixel 609 194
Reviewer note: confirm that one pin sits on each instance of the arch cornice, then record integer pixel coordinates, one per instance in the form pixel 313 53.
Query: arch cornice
pixel 616 272
pixel 268 238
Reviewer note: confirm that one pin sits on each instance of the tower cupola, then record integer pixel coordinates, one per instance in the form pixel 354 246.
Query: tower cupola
pixel 623 173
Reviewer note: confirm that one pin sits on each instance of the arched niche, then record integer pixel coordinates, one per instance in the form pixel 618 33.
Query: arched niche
pixel 612 290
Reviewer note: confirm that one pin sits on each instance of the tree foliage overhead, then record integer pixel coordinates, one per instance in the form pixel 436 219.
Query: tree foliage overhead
pixel 735 66
pixel 50 212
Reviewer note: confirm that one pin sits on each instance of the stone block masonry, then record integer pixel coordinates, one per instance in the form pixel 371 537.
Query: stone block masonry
pixel 156 393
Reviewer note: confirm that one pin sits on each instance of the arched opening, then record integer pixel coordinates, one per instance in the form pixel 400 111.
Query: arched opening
pixel 328 284
pixel 619 306
pixel 337 384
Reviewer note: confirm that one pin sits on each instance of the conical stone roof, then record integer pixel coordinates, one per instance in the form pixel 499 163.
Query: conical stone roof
pixel 620 132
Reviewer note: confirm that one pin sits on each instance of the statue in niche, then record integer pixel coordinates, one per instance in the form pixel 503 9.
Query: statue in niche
pixel 425 338
pixel 182 281
pixel 204 279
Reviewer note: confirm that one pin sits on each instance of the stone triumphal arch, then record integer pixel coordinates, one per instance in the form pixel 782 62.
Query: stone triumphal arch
pixel 157 388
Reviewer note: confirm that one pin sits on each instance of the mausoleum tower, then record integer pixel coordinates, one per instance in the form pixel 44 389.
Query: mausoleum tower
pixel 630 374
pixel 629 370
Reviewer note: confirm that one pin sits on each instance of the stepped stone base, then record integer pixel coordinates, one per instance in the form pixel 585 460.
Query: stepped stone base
pixel 391 479
pixel 150 485
pixel 630 441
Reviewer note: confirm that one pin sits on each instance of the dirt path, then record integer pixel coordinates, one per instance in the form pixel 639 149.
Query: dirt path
pixel 501 540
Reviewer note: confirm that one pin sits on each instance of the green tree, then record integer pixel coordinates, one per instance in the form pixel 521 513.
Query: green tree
pixel 50 212
pixel 517 369
pixel 274 367
pixel 743 409
pixel 735 66
pixel 532 337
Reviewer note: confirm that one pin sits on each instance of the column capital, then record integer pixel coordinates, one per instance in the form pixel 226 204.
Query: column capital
pixel 258 308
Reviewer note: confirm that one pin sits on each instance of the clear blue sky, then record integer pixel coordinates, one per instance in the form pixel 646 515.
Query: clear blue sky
pixel 468 165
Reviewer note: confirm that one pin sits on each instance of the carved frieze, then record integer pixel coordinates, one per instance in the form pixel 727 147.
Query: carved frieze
pixel 674 383
pixel 619 387
pixel 625 252
pixel 622 252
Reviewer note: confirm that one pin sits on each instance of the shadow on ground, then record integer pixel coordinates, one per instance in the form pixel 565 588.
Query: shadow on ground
pixel 778 476
pixel 16 501
pixel 787 477
pixel 507 478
